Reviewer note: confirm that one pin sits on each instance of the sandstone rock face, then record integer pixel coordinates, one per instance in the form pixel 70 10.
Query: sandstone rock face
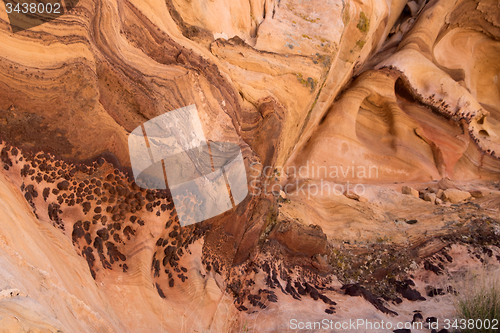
pixel 341 109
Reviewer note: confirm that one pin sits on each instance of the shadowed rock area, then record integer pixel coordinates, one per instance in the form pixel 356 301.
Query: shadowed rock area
pixel 369 131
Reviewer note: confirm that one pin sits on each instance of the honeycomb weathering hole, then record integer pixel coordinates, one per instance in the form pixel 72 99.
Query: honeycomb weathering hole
pixel 483 133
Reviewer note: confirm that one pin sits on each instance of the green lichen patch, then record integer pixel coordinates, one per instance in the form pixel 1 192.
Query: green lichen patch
pixel 364 22
pixel 271 222
pixel 309 82
pixel 302 16
pixel 360 43
pixel 346 17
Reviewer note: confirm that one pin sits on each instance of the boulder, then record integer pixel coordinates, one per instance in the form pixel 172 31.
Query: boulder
pixel 432 189
pixel 409 191
pixel 431 197
pixel 355 196
pixel 476 193
pixel 455 196
pixel 299 238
